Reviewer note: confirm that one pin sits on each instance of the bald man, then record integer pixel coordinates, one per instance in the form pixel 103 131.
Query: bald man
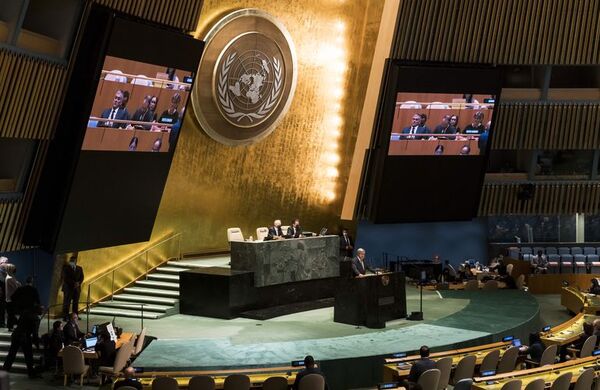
pixel 359 264
pixel 275 232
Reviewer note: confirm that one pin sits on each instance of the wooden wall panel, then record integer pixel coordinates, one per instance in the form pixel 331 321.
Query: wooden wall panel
pixel 549 198
pixel 499 31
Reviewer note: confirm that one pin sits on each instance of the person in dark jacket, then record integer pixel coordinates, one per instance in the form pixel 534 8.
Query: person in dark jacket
pixel 23 336
pixel 26 297
pixel 72 333
pixel 309 363
pixel 72 277
pixel 421 365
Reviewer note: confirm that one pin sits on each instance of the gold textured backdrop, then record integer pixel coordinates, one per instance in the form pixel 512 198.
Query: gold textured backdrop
pixel 301 169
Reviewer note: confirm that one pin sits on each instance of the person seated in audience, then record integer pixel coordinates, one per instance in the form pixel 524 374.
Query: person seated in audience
pixel 295 230
pixel 476 126
pixel 125 99
pixel 595 286
pixel 144 114
pixel 359 264
pixel 588 330
pixel 421 365
pixel 536 347
pixel 53 342
pixel 171 115
pixel 483 137
pixel 152 106
pixel 309 363
pixel 424 123
pixel 445 128
pixel 414 128
pixel 71 332
pixel 115 112
pixel 453 121
pixel 129 380
pixel 105 348
pixel 540 263
pixel 275 232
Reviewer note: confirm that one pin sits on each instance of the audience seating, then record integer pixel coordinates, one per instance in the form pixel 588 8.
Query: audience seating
pixel 445 367
pixel 594 262
pixel 490 361
pixel 121 358
pixel 550 250
pixel 430 379
pixel 537 384
pixel 564 251
pixel 238 382
pixel 585 380
pixel 275 383
pixel 201 382
pixel 139 344
pixel 73 363
pixel 580 264
pixel 464 384
pixel 512 385
pixel 576 250
pixel 235 234
pixel 548 356
pixel 262 233
pixel 562 382
pixel 464 369
pixel 141 79
pixel 115 75
pixel 588 250
pixel 508 361
pixel 312 382
pixel 164 383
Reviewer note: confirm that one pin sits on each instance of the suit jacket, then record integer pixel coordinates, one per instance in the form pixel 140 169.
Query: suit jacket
pixel 358 268
pixel 420 130
pixel 291 233
pixel 419 367
pixel 346 247
pixel 71 276
pixel 274 232
pixel 122 114
pixel 72 333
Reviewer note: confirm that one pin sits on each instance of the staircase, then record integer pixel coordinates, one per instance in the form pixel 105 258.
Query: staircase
pixel 159 293
pixel 19 364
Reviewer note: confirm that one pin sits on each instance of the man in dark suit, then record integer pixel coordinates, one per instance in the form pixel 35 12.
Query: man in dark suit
pixel 26 297
pixel 421 365
pixel 309 363
pixel 72 277
pixel 359 264
pixel 71 330
pixel 445 128
pixel 414 128
pixel 24 335
pixel 295 230
pixel 346 244
pixel 115 112
pixel 275 231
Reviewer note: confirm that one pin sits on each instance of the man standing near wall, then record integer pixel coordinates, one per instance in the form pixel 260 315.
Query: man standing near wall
pixel 72 277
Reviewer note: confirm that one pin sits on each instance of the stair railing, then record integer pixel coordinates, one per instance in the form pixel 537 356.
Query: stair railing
pixel 133 269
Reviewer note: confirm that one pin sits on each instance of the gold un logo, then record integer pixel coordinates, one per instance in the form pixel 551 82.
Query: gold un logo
pixel 250 63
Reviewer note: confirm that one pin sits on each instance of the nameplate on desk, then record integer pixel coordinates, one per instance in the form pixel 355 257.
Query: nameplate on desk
pixel 383 301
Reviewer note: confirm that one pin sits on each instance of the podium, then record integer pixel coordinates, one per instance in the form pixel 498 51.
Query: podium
pixel 371 300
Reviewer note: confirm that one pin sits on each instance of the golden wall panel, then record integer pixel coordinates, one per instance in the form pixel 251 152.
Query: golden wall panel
pixel 499 31
pixel 301 169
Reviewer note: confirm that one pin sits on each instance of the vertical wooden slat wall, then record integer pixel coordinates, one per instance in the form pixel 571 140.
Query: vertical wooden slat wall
pixel 499 31
pixel 30 93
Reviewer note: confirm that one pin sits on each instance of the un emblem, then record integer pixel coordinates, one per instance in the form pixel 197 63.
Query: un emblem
pixel 249 61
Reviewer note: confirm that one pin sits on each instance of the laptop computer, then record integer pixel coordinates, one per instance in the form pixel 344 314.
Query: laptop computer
pixel 516 343
pixel 91 342
pixel 488 373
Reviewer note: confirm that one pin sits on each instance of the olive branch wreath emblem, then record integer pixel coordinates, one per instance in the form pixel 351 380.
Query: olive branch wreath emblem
pixel 227 104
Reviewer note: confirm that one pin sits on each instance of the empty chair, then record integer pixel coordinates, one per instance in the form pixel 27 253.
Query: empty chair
pixel 73 363
pixel 115 75
pixel 284 229
pixel 464 369
pixel 238 382
pixel 430 379
pixel 490 285
pixel 580 264
pixel 527 257
pixel 550 250
pixel 121 358
pixel 589 250
pixel 411 104
pixel 588 346
pixel 312 382
pixel 594 263
pixel 553 263
pixel 577 250
pixel 464 384
pixel 472 285
pixel 566 263
pixel 549 355
pixel 563 250
pixel 445 367
pixel 201 382
pixel 164 383
pixel 141 79
pixel 490 361
pixel 526 250
pixel 438 106
pixel 515 384
pixel 513 252
pixel 508 360
pixel 537 384
pixel 585 380
pixel 139 344
pixel 235 234
pixel 262 233
pixel 562 382
pixel 275 383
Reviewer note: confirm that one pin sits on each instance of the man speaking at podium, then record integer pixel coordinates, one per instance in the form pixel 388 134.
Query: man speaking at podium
pixel 359 264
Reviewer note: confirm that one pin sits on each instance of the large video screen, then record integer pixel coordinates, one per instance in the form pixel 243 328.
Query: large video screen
pixel 428 153
pixel 441 124
pixel 116 134
pixel 137 107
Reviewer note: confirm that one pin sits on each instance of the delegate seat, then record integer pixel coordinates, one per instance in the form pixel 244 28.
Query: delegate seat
pixel 430 379
pixel 242 382
pixel 580 263
pixel 315 382
pixel 464 384
pixel 262 233
pixel 563 250
pixel 537 384
pixel 563 382
pixel 472 285
pixel 594 263
pixel 490 285
pixel 464 369
pixel 508 361
pixel 201 382
pixel 164 383
pixel 526 250
pixel 515 384
pixel 585 380
pixel 553 263
pixel 566 264
pixel 589 250
pixel 536 249
pixel 577 250
pixel 141 79
pixel 527 257
pixel 275 383
pixel 445 367
pixel 234 234
pixel 115 75
pixel 490 361
pixel 411 104
pixel 550 250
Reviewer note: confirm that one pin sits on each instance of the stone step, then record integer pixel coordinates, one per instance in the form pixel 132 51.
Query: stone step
pixel 111 311
pixel 164 277
pixel 171 270
pixel 183 264
pixel 158 284
pixel 134 306
pixel 145 299
pixel 152 291
pixel 21 368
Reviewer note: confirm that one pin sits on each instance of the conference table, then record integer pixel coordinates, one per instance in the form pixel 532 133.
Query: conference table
pixel 124 339
pixel 399 368
pixel 567 332
pixel 579 301
pixel 549 373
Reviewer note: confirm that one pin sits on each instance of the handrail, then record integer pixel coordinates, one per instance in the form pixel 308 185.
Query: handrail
pixel 142 254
